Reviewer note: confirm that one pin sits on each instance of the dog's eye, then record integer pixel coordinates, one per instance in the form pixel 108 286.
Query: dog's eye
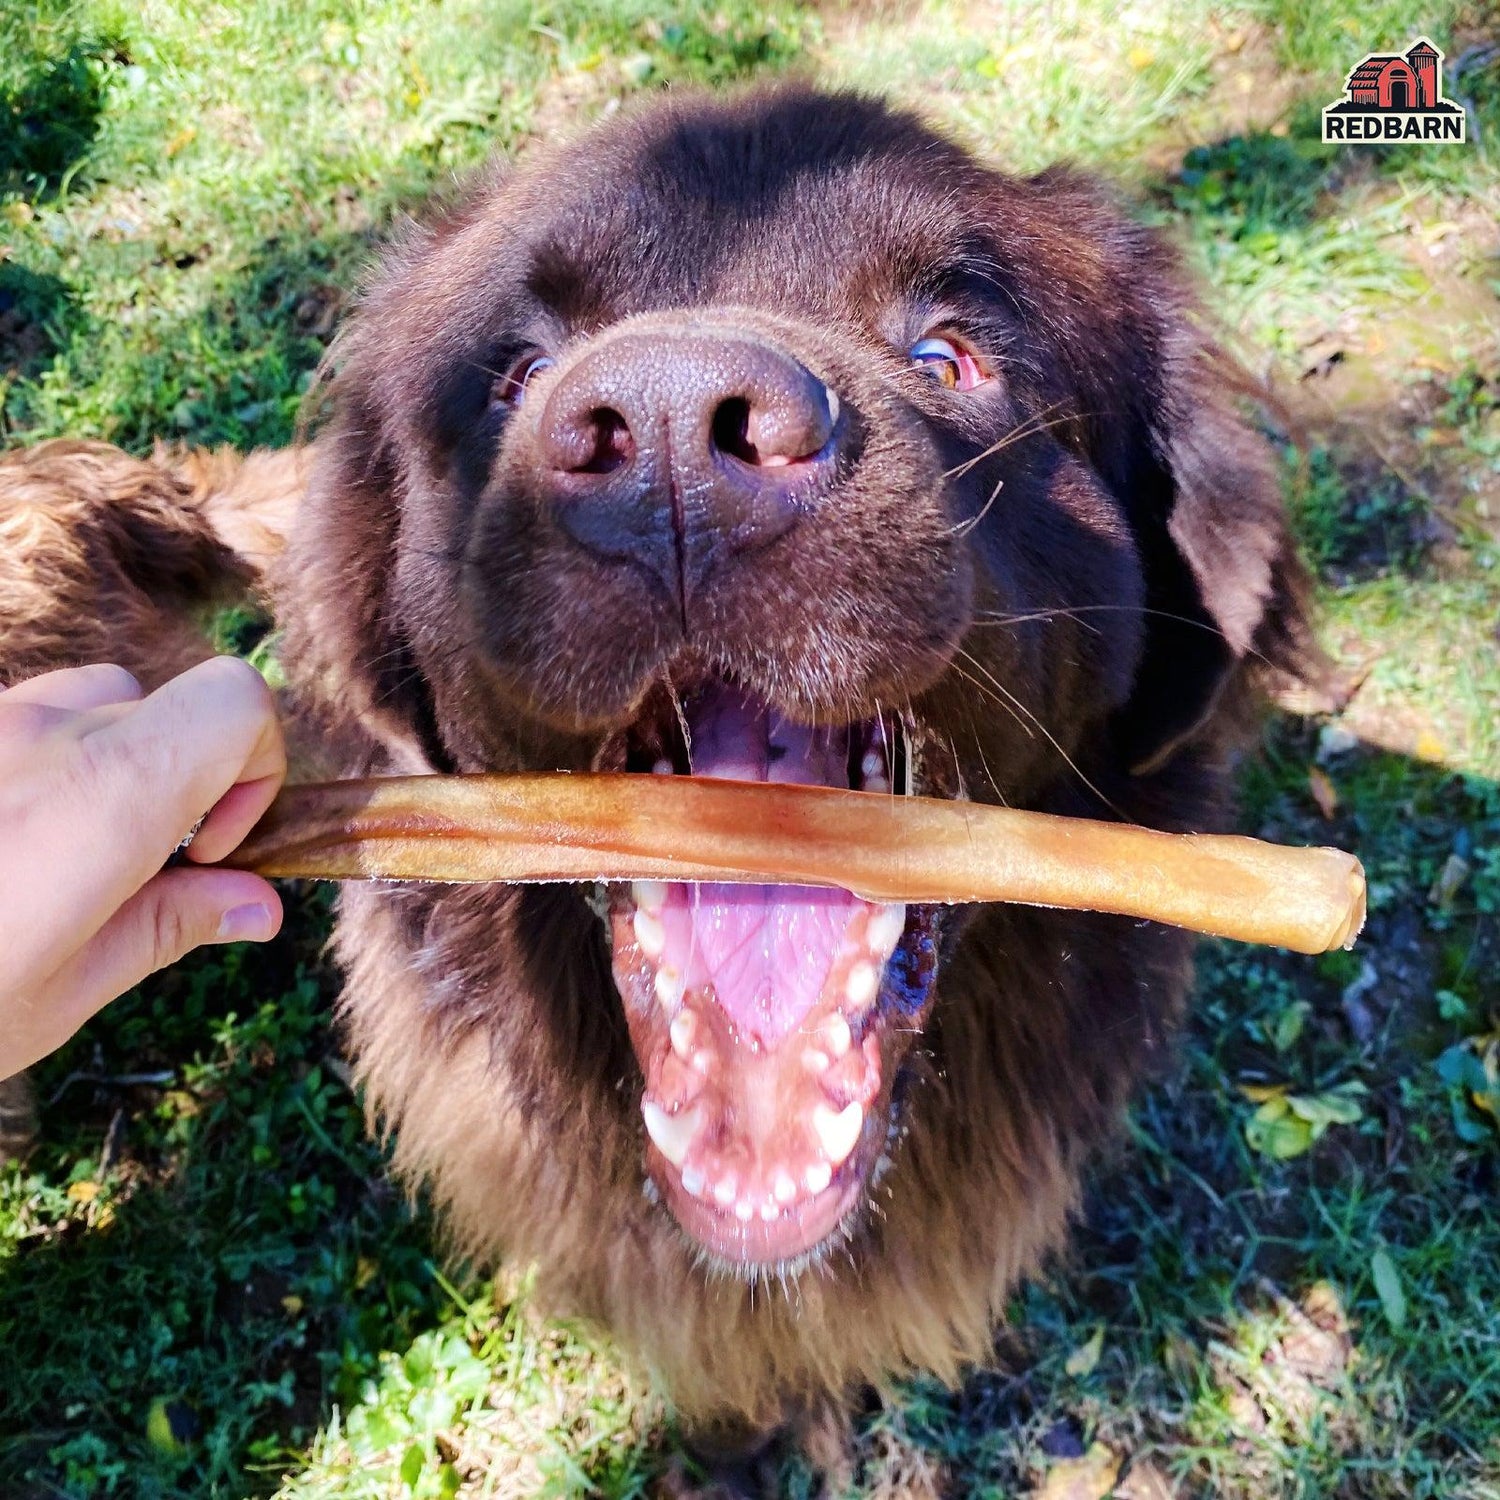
pixel 510 388
pixel 949 363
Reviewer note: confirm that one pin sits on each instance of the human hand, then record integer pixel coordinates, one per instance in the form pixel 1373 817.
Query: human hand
pixel 98 787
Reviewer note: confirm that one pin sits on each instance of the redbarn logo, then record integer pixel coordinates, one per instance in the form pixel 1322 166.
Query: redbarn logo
pixel 1393 98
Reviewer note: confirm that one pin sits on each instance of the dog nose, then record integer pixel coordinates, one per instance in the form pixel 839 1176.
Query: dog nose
pixel 679 450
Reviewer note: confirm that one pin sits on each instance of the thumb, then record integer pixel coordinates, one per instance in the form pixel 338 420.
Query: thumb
pixel 173 913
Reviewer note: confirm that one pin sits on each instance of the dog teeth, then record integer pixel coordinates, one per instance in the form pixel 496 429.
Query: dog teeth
pixel 837 1035
pixel 671 1134
pixel 769 1211
pixel 649 932
pixel 692 1182
pixel 650 894
pixel 815 1061
pixel 681 1033
pixel 784 1189
pixel 861 984
pixel 838 1130
pixel 885 929
pixel 723 1191
pixel 817 1177
pixel 668 987
pixel 744 1210
pixel 662 768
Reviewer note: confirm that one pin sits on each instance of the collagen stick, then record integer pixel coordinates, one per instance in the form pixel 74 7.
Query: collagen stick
pixel 617 827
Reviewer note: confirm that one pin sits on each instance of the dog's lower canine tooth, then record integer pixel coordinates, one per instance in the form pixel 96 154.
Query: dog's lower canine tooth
pixel 672 1134
pixel 817 1177
pixel 837 1131
pixel 649 932
pixel 861 984
pixel 837 1035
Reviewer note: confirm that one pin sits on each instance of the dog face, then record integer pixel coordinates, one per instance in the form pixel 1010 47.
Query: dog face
pixel 777 438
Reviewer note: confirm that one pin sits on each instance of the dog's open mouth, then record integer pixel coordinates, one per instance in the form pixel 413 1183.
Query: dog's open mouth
pixel 769 1020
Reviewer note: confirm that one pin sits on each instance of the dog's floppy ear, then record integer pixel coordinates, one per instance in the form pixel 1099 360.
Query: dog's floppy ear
pixel 332 589
pixel 1157 413
pixel 1224 585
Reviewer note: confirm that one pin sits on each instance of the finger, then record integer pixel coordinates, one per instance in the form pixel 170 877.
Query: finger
pixel 175 912
pixel 233 816
pixel 128 791
pixel 179 910
pixel 187 745
pixel 77 688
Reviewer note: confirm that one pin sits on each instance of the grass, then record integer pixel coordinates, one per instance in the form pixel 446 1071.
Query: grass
pixel 1284 1281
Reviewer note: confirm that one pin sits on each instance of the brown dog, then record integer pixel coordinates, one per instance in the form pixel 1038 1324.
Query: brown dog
pixel 776 437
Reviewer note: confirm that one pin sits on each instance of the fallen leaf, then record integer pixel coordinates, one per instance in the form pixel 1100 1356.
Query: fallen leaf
pixel 171 1426
pixel 1085 1357
pixel 1145 1482
pixel 1338 1106
pixel 1450 878
pixel 1274 1131
pixel 1091 1477
pixel 83 1192
pixel 184 137
pixel 1258 1093
pixel 1429 747
pixel 1324 793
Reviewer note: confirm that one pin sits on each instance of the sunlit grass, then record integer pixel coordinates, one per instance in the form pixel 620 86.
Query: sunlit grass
pixel 183 216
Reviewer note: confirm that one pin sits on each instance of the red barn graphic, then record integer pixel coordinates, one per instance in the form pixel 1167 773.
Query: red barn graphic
pixel 1409 82
pixel 1393 98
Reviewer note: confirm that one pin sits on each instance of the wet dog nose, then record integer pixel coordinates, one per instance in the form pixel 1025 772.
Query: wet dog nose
pixel 679 450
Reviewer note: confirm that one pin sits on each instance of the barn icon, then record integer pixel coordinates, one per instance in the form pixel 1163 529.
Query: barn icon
pixel 1389 97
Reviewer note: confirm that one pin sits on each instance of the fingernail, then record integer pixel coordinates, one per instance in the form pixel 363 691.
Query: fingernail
pixel 247 924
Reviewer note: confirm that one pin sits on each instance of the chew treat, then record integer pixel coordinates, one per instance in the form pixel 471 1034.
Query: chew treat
pixel 886 849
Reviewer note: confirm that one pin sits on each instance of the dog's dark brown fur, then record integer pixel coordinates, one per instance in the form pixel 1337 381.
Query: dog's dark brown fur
pixel 1067 582
pixel 104 557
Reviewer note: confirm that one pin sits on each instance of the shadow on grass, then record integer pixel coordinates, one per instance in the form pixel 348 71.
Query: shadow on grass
pixel 238 1264
pixel 1307 1316
pixel 33 308
pixel 205 1265
pixel 51 99
pixel 207 1253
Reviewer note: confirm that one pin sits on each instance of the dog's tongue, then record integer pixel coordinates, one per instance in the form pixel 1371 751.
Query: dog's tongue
pixel 767 950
